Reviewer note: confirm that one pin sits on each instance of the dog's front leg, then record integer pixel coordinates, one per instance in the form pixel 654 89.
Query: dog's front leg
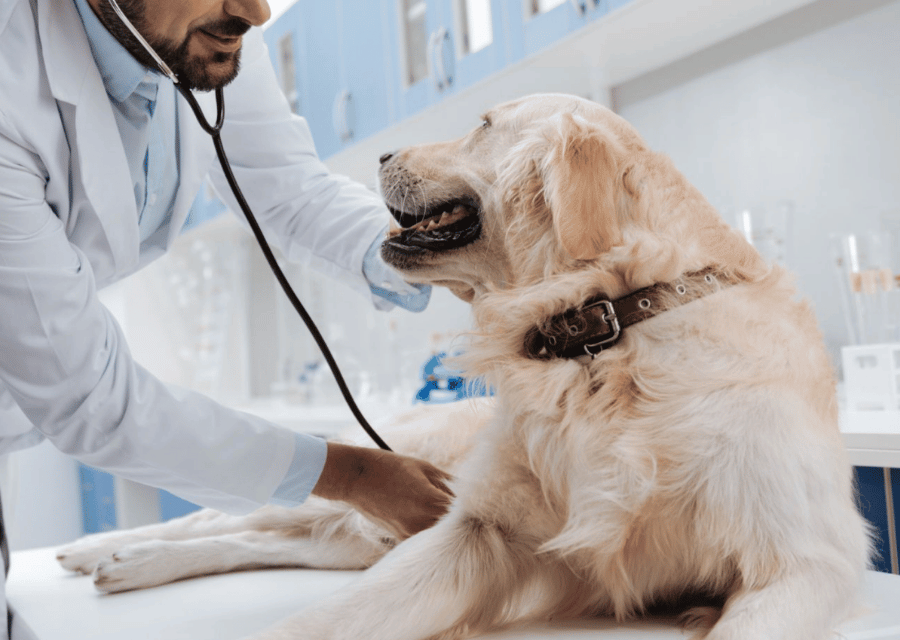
pixel 452 577
pixel 460 577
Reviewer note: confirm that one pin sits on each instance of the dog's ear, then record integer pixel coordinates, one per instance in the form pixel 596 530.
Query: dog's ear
pixel 580 175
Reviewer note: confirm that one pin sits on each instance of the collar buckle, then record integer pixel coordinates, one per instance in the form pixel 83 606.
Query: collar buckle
pixel 612 320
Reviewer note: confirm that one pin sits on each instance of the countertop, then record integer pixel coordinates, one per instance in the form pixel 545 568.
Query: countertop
pixel 62 606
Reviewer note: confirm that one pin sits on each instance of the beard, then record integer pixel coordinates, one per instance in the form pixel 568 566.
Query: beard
pixel 201 73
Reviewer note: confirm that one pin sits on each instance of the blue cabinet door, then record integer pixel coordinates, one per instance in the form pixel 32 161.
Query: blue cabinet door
pixel 341 55
pixel 283 40
pixel 443 46
pixel 535 25
pixel 319 58
pixel 362 65
pixel 413 28
pixel 307 38
pixel 476 40
pixel 364 103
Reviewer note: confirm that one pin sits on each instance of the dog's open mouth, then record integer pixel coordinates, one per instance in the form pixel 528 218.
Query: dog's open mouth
pixel 451 225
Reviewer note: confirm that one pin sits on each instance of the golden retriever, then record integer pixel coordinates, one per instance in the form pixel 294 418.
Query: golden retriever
pixel 679 447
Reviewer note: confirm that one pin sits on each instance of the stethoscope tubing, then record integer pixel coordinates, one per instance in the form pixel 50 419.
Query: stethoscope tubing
pixel 215 131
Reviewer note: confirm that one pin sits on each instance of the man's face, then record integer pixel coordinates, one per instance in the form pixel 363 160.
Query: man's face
pixel 200 40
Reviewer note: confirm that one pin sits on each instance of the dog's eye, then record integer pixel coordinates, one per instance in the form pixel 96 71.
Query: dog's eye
pixel 485 122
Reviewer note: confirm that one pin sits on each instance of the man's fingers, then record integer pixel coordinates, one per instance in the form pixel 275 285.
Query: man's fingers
pixel 439 478
pixel 441 486
pixel 431 506
pixel 406 495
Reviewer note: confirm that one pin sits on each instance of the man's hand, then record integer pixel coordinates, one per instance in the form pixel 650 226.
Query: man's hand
pixel 406 495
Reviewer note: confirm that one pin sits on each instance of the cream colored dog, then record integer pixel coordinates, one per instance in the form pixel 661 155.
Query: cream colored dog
pixel 678 446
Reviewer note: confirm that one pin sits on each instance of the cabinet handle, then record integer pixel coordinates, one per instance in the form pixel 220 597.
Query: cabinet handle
pixel 432 59
pixel 438 40
pixel 340 115
pixel 580 6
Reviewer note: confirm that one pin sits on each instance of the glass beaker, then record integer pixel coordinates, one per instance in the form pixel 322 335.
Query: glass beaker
pixel 768 229
pixel 866 270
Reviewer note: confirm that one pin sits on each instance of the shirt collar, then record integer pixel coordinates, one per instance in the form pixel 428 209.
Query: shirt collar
pixel 121 73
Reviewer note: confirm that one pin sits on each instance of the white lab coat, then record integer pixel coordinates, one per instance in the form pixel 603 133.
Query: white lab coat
pixel 69 226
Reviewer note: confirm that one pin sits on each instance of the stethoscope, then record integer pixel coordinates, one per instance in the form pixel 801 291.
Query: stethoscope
pixel 215 132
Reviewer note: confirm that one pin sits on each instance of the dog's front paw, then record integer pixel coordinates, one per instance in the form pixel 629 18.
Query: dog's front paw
pixel 83 556
pixel 138 566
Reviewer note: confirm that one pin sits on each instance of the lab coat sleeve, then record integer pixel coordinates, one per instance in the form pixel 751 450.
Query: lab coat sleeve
pixel 315 217
pixel 64 360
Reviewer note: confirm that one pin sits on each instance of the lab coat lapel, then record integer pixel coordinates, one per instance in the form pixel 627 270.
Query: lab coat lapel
pixel 195 155
pixel 91 130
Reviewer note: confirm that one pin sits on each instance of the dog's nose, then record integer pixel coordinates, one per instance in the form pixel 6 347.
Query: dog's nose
pixel 386 157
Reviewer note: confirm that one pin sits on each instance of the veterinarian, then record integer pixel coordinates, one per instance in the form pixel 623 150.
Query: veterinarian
pixel 100 162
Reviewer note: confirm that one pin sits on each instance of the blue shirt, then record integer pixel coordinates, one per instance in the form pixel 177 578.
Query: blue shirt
pixel 146 114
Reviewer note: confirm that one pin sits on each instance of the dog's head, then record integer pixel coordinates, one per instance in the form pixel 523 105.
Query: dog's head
pixel 548 184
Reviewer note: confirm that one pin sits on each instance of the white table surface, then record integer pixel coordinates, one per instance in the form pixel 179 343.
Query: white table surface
pixel 62 606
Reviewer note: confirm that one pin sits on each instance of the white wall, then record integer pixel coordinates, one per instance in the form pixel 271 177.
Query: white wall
pixel 814 121
pixel 41 497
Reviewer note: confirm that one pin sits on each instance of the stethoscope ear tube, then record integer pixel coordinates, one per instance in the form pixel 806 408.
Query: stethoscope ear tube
pixel 150 50
pixel 215 132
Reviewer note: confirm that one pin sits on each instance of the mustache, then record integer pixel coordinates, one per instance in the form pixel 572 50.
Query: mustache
pixel 228 28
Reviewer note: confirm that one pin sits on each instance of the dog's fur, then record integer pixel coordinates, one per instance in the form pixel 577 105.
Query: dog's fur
pixel 697 461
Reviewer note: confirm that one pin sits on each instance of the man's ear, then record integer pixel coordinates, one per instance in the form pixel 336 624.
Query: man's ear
pixel 581 186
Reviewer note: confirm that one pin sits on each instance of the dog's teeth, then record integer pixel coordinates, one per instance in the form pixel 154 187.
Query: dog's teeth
pixel 434 224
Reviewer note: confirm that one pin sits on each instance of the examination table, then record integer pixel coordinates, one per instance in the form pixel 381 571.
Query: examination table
pixel 58 605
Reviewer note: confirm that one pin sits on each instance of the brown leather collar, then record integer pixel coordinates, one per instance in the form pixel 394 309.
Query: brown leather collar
pixel 598 324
